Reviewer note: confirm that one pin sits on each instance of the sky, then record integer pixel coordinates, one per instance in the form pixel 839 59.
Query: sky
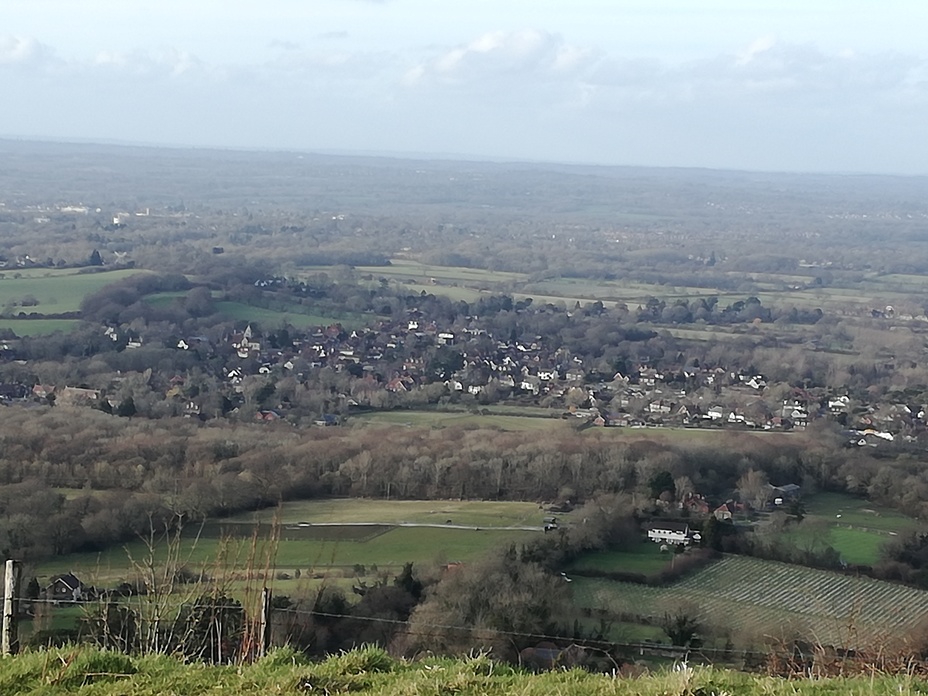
pixel 774 85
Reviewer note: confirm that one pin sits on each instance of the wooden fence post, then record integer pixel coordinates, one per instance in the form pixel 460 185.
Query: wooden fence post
pixel 264 623
pixel 9 642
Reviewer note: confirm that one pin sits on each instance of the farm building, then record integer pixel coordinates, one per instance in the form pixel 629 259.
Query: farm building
pixel 672 532
pixel 65 588
pixel 786 493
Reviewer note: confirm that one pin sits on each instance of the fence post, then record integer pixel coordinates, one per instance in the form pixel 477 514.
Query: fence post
pixel 264 623
pixel 9 642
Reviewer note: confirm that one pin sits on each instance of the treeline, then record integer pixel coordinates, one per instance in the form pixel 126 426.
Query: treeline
pixel 121 471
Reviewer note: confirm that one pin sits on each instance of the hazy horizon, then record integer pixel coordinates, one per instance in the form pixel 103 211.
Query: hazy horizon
pixel 841 87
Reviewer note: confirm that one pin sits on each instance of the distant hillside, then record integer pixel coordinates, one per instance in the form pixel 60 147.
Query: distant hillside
pixel 371 671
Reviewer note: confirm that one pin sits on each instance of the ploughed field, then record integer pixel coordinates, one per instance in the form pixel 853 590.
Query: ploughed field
pixel 765 598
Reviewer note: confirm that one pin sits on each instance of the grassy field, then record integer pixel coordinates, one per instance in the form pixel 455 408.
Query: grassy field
pixel 441 419
pixel 371 672
pixel 38 327
pixel 465 512
pixel 55 290
pixel 226 546
pixel 408 269
pixel 773 289
pixel 751 595
pixel 387 550
pixel 270 319
pixel 646 558
pixel 859 529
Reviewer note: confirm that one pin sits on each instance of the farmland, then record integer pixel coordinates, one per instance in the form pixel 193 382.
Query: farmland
pixel 447 419
pixel 466 283
pixel 338 540
pixel 749 595
pixel 858 528
pixel 471 513
pixel 272 318
pixel 37 327
pixel 646 558
pixel 54 291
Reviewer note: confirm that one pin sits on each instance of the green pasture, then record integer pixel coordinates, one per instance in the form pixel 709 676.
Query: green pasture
pixel 453 292
pixel 858 528
pixel 270 318
pixel 38 327
pixel 645 558
pixel 681 434
pixel 56 290
pixel 228 556
pixel 757 597
pixel 413 270
pixel 440 419
pixel 858 546
pixel 476 513
pixel 857 513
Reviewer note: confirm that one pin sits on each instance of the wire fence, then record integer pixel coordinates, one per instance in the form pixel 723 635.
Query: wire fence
pixel 169 612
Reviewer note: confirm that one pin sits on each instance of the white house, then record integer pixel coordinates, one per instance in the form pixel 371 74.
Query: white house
pixel 672 532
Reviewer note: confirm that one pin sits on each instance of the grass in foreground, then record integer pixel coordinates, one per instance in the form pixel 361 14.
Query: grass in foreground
pixel 92 672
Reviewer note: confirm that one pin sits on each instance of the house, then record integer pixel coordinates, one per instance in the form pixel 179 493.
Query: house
pixel 267 415
pixel 785 493
pixel 662 407
pixel 723 513
pixel 695 504
pixel 43 391
pixel 77 396
pixel 65 588
pixel 13 392
pixel 672 532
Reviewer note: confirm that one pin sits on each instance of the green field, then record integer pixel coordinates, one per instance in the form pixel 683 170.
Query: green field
pixel 859 529
pixel 38 327
pixel 471 513
pixel 387 550
pixel 225 546
pixel 773 289
pixel 761 597
pixel 55 290
pixel 441 419
pixel 270 319
pixel 646 558
pixel 413 270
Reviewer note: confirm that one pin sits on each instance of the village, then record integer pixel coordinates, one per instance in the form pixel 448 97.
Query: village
pixel 419 362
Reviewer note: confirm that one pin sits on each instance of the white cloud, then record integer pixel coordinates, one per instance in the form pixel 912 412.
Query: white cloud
pixel 757 47
pixel 24 51
pixel 499 55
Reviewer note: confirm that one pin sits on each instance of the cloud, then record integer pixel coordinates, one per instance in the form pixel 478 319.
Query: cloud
pixel 24 51
pixel 284 45
pixel 500 55
pixel 167 63
pixel 766 71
